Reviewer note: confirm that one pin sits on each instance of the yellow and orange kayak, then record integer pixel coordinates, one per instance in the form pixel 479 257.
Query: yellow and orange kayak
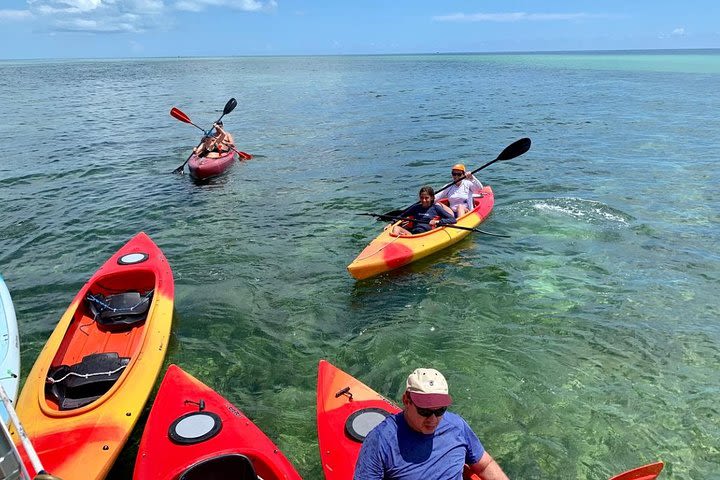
pixel 91 380
pixel 388 251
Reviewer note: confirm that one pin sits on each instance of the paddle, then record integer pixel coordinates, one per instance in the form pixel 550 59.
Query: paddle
pixel 513 150
pixel 392 217
pixel 180 115
pixel 229 107
pixel 24 440
pixel 646 472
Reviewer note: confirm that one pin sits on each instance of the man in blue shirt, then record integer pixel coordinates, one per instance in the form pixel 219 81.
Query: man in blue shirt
pixel 424 441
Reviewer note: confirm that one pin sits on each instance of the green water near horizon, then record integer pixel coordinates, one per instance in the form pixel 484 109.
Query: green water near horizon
pixel 584 345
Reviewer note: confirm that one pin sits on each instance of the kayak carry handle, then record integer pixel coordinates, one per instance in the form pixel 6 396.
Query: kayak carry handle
pixel 344 391
pixel 200 404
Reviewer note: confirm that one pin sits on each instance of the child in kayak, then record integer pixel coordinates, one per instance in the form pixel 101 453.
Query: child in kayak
pixel 427 214
pixel 460 194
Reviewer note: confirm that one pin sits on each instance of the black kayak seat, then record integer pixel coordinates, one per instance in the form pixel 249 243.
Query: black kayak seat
pixel 232 466
pixel 74 386
pixel 120 311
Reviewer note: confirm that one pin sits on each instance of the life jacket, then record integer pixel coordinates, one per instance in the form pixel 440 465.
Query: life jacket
pixel 408 224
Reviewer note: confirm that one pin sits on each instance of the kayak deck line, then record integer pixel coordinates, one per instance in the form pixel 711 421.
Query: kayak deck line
pixel 382 247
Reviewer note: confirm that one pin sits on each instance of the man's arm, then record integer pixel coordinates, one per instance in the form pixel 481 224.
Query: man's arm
pixel 487 468
pixel 369 464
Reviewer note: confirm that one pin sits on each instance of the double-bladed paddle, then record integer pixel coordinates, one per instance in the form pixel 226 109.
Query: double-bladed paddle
pixel 513 150
pixel 180 115
pixel 229 107
pixel 646 472
pixel 392 217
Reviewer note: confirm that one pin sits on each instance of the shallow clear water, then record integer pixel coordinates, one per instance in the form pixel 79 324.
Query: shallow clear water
pixel 584 345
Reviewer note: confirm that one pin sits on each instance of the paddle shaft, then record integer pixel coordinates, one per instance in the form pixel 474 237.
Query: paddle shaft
pixel 29 450
pixel 513 150
pixel 459 227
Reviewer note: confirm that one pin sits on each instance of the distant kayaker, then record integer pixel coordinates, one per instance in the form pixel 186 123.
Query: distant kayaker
pixel 424 441
pixel 224 140
pixel 216 143
pixel 427 214
pixel 460 193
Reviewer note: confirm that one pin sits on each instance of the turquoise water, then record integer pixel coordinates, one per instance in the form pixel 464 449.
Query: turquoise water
pixel 584 345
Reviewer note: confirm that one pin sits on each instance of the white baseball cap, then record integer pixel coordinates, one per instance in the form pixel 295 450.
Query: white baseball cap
pixel 428 388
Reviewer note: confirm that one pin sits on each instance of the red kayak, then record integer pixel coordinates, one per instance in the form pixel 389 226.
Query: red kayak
pixel 347 410
pixel 203 168
pixel 193 433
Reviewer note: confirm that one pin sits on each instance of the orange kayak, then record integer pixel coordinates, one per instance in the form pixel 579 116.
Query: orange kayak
pixel 388 251
pixel 91 380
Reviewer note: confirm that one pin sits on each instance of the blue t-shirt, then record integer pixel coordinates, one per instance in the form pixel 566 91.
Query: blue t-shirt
pixel 393 451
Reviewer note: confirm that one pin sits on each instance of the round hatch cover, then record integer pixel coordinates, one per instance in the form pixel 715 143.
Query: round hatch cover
pixel 195 427
pixel 359 424
pixel 132 258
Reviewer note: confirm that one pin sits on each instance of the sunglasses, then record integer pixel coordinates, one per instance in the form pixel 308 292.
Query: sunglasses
pixel 428 412
pixel 458 174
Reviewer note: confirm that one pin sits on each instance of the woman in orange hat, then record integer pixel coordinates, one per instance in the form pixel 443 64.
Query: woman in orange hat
pixel 460 193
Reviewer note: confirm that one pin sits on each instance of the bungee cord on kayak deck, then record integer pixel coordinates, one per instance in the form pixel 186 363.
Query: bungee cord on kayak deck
pixel 50 380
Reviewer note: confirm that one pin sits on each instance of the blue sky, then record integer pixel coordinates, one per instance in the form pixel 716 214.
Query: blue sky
pixel 156 28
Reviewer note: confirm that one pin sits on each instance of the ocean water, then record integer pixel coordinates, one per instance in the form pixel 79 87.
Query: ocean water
pixel 586 344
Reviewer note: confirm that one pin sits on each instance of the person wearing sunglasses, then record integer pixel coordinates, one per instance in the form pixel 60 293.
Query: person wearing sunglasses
pixel 425 441
pixel 460 193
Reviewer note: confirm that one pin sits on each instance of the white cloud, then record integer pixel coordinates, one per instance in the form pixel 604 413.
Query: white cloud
pixel 244 5
pixel 511 17
pixel 680 31
pixel 14 15
pixel 66 6
pixel 120 24
pixel 117 16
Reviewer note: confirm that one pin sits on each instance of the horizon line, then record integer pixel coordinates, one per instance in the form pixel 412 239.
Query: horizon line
pixel 278 55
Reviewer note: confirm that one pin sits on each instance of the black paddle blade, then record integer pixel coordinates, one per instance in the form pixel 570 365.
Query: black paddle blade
pixel 232 103
pixel 391 213
pixel 515 149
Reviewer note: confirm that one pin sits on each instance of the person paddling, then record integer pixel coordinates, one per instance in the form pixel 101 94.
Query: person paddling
pixel 431 214
pixel 460 193
pixel 218 142
pixel 424 441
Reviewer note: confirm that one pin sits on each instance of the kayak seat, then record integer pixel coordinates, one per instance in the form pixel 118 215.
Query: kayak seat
pixel 235 466
pixel 74 386
pixel 120 311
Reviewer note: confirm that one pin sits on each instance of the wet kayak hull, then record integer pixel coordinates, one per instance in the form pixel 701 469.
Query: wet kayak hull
pixel 203 168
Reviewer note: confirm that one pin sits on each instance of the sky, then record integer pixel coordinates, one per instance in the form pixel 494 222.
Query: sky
pixel 54 29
